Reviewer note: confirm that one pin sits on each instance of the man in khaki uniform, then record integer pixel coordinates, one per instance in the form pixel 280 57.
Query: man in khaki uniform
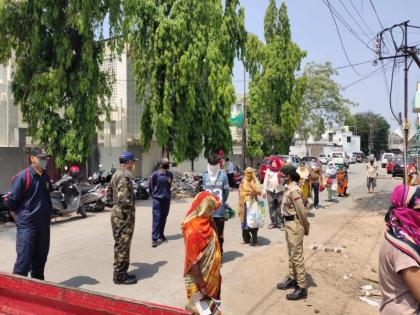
pixel 296 225
pixel 123 217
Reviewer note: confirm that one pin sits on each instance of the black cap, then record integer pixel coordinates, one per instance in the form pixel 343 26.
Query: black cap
pixel 289 170
pixel 38 152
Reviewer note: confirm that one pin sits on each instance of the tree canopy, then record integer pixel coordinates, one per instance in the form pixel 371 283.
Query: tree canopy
pixel 323 105
pixel 183 54
pixel 275 92
pixel 373 130
pixel 57 81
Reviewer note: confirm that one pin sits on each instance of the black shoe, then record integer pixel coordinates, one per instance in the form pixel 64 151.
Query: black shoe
pixel 131 276
pixel 288 284
pixel 155 243
pixel 163 240
pixel 128 280
pixel 298 294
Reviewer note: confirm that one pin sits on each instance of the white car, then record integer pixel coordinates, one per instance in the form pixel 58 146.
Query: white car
pixel 339 158
pixel 386 157
pixel 323 159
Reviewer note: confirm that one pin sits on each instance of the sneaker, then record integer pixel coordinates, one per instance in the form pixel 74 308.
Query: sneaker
pixel 163 240
pixel 155 244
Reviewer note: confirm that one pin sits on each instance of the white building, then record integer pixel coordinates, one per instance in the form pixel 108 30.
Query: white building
pixel 9 113
pixel 331 141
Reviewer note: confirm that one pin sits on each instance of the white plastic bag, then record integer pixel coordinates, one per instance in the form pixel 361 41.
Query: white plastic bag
pixel 254 217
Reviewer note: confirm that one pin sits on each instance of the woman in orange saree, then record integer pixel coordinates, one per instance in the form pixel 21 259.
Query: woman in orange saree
pixel 203 256
pixel 342 180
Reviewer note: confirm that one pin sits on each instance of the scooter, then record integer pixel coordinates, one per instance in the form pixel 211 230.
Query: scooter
pixel 93 198
pixel 4 209
pixel 101 176
pixel 66 197
pixel 141 188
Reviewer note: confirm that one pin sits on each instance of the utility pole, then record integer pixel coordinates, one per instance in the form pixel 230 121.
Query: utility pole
pixel 405 124
pixel 370 145
pixel 244 125
pixel 401 51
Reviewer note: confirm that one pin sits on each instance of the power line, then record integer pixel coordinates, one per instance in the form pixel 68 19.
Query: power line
pixel 346 25
pixel 339 35
pixel 379 20
pixel 355 21
pixel 367 76
pixel 361 17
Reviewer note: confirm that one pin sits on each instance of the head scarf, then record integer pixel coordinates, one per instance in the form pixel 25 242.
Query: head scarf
pixel 196 227
pixel 303 173
pixel 403 220
pixel 277 162
pixel 246 189
pixel 331 170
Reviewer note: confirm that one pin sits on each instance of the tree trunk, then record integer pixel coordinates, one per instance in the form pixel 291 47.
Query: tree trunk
pixel 192 165
pixel 165 152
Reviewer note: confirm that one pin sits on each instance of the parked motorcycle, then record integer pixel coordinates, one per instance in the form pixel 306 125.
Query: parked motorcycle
pixel 66 197
pixel 102 176
pixel 4 209
pixel 237 177
pixel 93 198
pixel 141 188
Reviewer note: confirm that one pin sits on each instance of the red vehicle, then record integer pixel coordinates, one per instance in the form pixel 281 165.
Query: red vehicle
pixel 390 166
pixel 266 164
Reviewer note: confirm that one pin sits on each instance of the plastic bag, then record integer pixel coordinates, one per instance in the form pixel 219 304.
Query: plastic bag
pixel 255 217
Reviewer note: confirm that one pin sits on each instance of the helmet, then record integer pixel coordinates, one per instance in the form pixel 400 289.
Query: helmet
pixel 74 171
pixel 126 157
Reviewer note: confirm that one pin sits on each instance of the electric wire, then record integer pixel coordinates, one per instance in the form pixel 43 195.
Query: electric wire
pixel 361 17
pixel 390 91
pixel 354 20
pixel 379 20
pixel 339 36
pixel 367 76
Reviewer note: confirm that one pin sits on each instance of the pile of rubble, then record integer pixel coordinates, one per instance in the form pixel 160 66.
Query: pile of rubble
pixel 186 185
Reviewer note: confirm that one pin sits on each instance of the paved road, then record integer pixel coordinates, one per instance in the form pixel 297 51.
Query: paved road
pixel 81 255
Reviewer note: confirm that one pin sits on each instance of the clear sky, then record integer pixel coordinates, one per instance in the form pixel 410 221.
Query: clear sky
pixel 314 31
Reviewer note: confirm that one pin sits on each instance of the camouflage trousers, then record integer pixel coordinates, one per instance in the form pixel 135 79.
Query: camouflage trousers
pixel 122 221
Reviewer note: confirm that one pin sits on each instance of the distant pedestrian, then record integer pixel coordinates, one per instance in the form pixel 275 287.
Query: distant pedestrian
pixel 331 181
pixel 316 178
pixel 160 190
pixel 30 205
pixel 249 190
pixel 216 182
pixel 305 181
pixel 203 257
pixel 123 217
pixel 413 176
pixel 230 171
pixel 296 226
pixel 342 181
pixel 372 174
pixel 273 189
pixel 399 256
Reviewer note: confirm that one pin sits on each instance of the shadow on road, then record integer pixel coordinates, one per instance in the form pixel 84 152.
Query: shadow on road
pixel 79 281
pixel 375 202
pixel 174 237
pixel 145 270
pixel 310 281
pixel 262 241
pixel 231 256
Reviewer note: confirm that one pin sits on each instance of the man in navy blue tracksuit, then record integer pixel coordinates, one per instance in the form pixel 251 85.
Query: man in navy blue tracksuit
pixel 160 190
pixel 30 204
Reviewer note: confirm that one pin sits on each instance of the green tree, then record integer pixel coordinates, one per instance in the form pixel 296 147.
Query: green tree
pixel 184 53
pixel 275 93
pixel 58 82
pixel 323 105
pixel 373 130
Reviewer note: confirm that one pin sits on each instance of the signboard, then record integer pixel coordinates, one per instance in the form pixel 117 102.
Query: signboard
pixel 418 134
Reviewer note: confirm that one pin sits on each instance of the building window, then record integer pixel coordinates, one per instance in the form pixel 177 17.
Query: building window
pixel 113 128
pixel 348 139
pixel 339 140
pixel 331 137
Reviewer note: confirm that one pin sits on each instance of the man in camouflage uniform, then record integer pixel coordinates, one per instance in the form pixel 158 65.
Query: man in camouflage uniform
pixel 296 226
pixel 123 217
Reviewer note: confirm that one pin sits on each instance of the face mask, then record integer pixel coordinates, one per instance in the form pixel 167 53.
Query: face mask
pixel 165 166
pixel 42 163
pixel 248 177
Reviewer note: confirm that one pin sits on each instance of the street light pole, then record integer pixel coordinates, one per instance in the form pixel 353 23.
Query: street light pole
pixel 244 125
pixel 405 125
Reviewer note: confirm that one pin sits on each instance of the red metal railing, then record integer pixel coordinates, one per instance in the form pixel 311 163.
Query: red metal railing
pixel 24 296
